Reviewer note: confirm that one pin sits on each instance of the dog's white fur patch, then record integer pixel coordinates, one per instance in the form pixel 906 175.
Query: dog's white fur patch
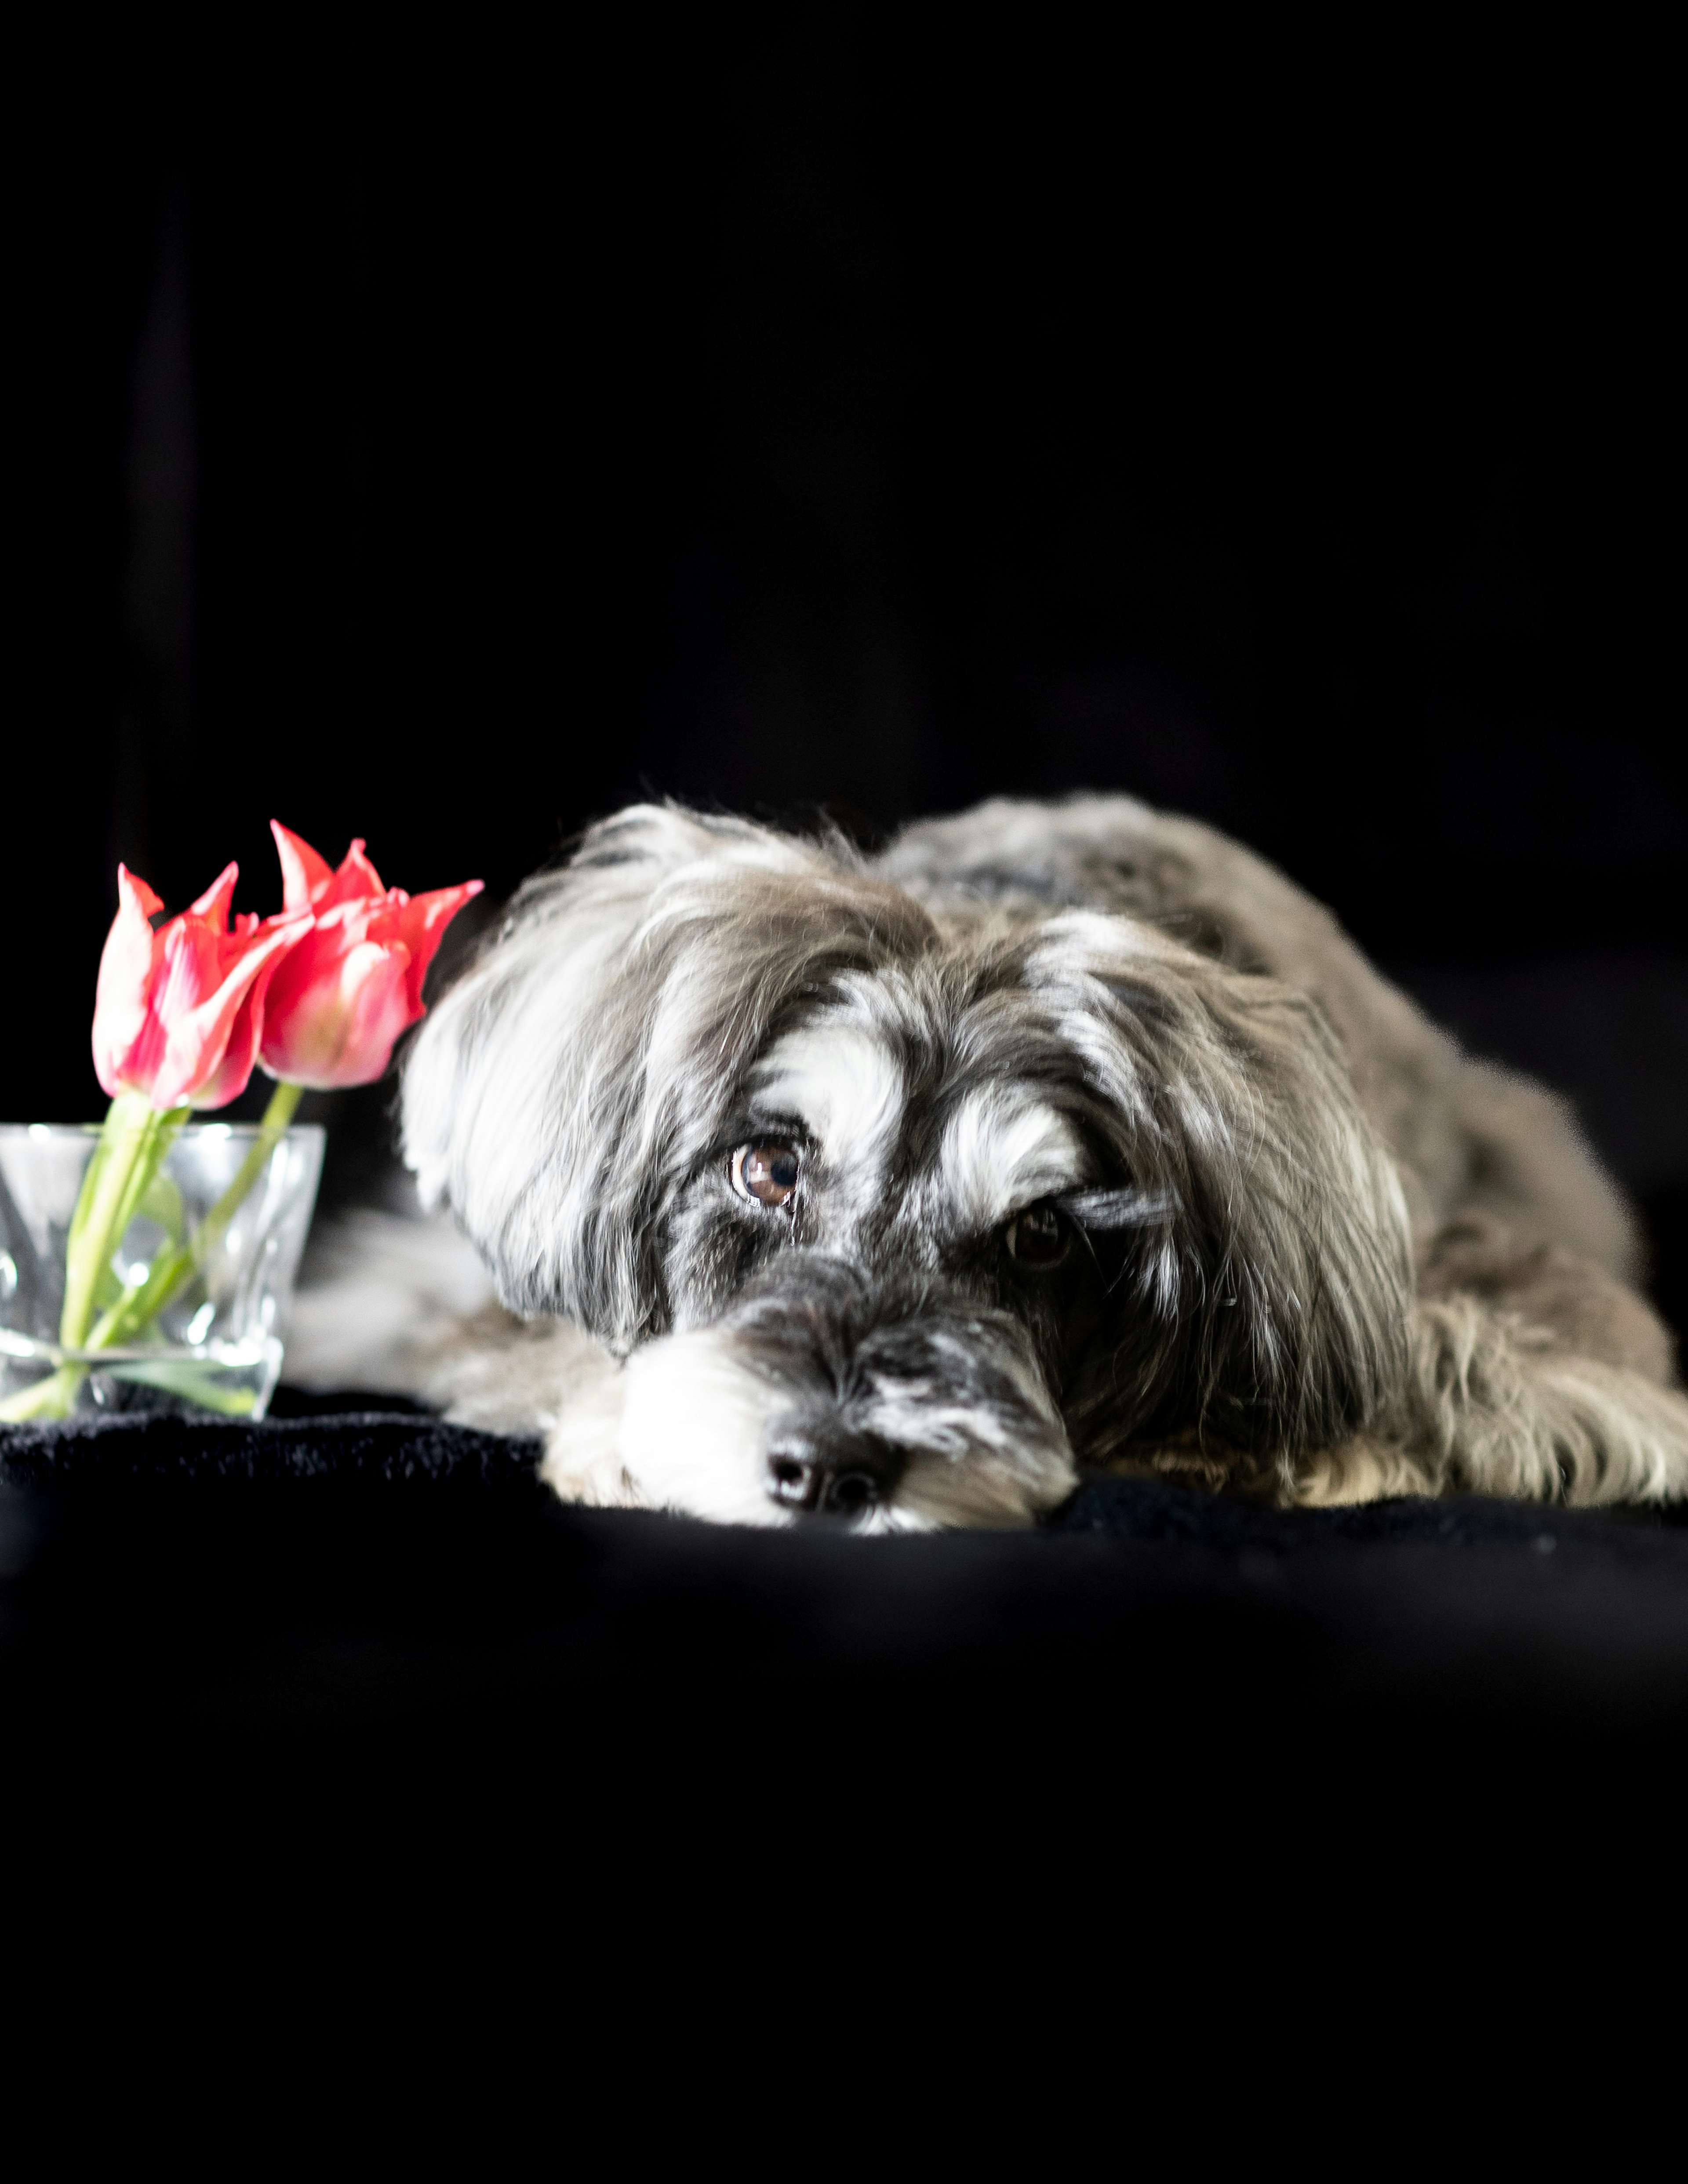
pixel 693 1429
pixel 1003 1150
pixel 844 1086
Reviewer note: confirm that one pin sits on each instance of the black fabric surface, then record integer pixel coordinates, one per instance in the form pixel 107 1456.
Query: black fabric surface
pixel 377 1597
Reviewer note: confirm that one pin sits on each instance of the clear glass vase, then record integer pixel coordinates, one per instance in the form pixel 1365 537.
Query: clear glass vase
pixel 216 1346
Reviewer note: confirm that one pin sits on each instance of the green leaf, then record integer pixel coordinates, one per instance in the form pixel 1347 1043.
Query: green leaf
pixel 161 1201
pixel 193 1383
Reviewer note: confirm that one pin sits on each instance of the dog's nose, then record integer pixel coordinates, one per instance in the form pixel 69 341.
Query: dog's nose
pixel 833 1473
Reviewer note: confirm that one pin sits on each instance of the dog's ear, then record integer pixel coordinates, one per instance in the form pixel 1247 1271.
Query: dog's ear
pixel 1265 1307
pixel 577 1072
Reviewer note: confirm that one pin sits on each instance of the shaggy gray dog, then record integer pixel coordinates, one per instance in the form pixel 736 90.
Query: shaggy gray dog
pixel 896 1190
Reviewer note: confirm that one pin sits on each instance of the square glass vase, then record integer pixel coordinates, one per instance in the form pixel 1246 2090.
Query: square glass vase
pixel 217 1344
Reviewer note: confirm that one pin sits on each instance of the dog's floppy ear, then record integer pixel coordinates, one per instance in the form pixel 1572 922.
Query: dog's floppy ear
pixel 577 1072
pixel 1265 1305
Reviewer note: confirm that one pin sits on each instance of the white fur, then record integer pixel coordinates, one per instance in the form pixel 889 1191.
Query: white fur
pixel 694 1430
pixel 1003 1150
pixel 844 1087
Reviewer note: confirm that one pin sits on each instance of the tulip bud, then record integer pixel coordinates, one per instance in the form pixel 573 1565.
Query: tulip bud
pixel 355 982
pixel 178 1013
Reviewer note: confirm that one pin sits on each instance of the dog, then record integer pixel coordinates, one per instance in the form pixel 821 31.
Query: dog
pixel 900 1191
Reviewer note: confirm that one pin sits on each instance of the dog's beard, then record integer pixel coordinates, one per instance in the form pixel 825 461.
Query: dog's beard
pixel 818 1396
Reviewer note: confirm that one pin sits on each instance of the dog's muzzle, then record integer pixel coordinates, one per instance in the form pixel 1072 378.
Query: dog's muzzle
pixel 894 1391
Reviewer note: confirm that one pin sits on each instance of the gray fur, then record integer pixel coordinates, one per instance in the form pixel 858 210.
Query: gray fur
pixel 1320 1253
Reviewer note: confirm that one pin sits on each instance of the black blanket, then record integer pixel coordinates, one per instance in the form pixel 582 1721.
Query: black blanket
pixel 315 1597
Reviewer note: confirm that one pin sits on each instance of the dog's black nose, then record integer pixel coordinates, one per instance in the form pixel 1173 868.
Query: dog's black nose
pixel 831 1473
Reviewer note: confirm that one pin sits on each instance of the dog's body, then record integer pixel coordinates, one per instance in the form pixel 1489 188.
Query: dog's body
pixel 896 1190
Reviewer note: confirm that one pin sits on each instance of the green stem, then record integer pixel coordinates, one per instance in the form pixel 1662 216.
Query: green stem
pixel 175 1266
pixel 132 1145
pixel 283 1106
pixel 134 1140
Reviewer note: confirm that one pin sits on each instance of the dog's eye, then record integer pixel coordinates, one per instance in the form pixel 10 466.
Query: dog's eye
pixel 766 1172
pixel 1037 1238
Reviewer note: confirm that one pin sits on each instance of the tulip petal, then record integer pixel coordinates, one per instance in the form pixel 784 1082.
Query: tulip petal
pixel 191 968
pixel 121 1011
pixel 305 874
pixel 246 1032
pixel 213 906
pixel 131 888
pixel 356 881
pixel 376 982
pixel 335 1012
pixel 198 1038
pixel 420 922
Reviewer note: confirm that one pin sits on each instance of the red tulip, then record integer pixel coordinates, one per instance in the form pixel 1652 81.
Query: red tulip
pixel 178 1013
pixel 342 997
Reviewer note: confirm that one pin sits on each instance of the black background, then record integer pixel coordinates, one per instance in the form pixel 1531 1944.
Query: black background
pixel 448 446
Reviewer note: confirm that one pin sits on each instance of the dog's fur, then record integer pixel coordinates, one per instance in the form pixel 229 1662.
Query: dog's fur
pixel 1315 1253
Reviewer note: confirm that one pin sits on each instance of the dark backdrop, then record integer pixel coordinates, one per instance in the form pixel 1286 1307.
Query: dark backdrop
pixel 448 455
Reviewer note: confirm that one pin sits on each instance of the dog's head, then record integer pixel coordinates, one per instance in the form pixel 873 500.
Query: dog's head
pixel 897 1220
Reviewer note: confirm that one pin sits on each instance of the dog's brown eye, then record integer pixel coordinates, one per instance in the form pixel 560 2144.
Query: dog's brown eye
pixel 766 1172
pixel 1037 1238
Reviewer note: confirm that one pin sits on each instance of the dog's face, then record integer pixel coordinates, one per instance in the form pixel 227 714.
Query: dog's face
pixel 896 1223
